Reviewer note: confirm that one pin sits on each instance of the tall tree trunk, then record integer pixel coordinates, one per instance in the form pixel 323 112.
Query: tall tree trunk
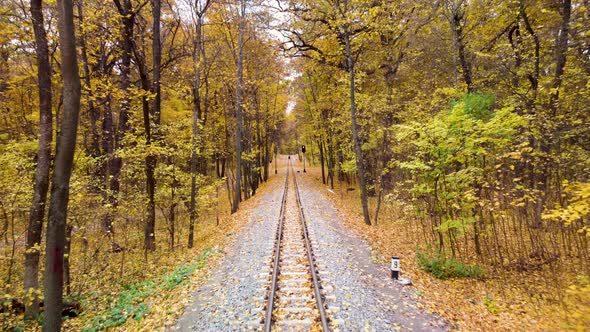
pixel 108 137
pixel 93 113
pixel 205 80
pixel 67 250
pixel 457 25
pixel 321 148
pixel 266 151
pixel 173 187
pixel 66 144
pixel 151 160
pixel 534 76
pixel 385 151
pixel 384 161
pixel 35 229
pixel 257 174
pixel 561 48
pixel 115 163
pixel 239 101
pixel 196 117
pixel 331 161
pixel 355 135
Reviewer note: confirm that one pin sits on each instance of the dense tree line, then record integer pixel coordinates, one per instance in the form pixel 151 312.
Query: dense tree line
pixel 124 122
pixel 472 113
pixel 126 117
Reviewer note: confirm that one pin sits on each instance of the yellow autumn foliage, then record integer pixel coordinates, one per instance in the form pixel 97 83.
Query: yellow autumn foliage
pixel 577 208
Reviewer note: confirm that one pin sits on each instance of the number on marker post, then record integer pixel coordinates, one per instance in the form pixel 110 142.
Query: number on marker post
pixel 395 264
pixel 395 267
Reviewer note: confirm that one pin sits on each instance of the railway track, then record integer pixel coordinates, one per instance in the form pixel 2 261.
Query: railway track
pixel 295 302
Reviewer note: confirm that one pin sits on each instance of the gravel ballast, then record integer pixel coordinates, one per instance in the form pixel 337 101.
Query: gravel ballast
pixel 234 296
pixel 359 294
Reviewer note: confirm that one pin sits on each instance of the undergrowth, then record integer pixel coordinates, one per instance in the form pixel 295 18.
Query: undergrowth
pixel 445 268
pixel 130 303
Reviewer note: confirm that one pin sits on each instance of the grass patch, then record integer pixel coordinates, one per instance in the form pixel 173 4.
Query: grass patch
pixel 445 268
pixel 130 303
pixel 180 275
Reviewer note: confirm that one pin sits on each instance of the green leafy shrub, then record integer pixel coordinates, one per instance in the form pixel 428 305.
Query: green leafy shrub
pixel 479 105
pixel 455 157
pixel 128 304
pixel 445 268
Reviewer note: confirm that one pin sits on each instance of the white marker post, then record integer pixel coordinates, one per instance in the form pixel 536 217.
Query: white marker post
pixel 395 268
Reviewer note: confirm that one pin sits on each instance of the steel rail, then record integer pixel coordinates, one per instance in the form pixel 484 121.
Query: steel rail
pixel 315 279
pixel 277 252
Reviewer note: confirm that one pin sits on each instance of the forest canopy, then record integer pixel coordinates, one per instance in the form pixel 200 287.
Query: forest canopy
pixel 126 126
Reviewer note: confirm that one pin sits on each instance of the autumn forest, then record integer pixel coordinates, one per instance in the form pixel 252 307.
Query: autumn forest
pixel 137 137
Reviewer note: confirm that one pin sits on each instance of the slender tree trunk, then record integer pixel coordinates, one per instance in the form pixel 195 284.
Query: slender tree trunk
pixel 457 22
pixel 115 163
pixel 151 160
pixel 385 151
pixel 239 101
pixel 67 250
pixel 266 151
pixel 150 225
pixel 205 79
pixel 66 144
pixel 108 137
pixel 13 249
pixel 257 175
pixel 321 148
pixel 561 55
pixel 384 161
pixel 35 229
pixel 5 226
pixel 173 187
pixel 355 135
pixel 534 77
pixel 331 161
pixel 93 114
pixel 547 142
pixel 196 116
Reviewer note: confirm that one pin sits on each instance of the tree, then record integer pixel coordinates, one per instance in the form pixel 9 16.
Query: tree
pixel 152 127
pixel 456 16
pixel 360 163
pixel 66 145
pixel 113 141
pixel 344 21
pixel 35 229
pixel 119 75
pixel 199 9
pixel 239 104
